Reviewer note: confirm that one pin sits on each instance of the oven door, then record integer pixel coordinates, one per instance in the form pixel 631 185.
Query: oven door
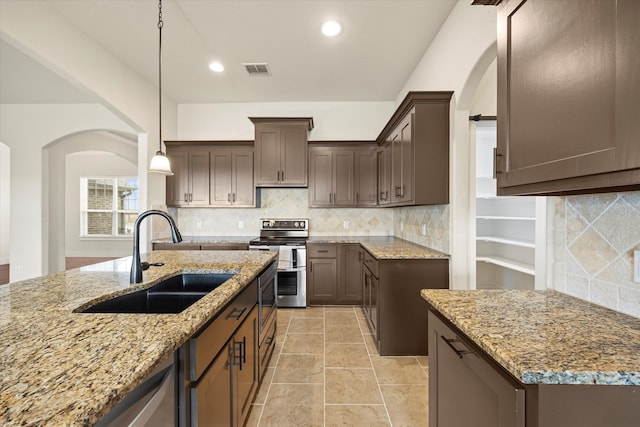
pixel 292 287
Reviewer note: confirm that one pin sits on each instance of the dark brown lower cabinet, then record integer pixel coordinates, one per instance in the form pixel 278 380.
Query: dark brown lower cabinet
pixel 464 390
pixel 333 274
pixel 468 388
pixel 396 317
pixel 223 395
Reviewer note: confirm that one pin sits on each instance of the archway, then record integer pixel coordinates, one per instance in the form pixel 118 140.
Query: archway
pixel 108 150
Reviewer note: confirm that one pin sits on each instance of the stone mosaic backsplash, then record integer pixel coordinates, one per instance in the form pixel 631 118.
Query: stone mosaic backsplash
pixel 405 223
pixel 592 253
pixel 285 203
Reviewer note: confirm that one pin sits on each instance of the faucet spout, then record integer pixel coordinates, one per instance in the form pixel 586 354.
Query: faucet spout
pixel 136 265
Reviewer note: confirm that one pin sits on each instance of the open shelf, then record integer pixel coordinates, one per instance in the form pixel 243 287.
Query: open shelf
pixel 508 218
pixel 507 263
pixel 506 241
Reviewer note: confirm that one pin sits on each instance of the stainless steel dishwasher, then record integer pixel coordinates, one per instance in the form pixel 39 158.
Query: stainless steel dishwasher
pixel 151 404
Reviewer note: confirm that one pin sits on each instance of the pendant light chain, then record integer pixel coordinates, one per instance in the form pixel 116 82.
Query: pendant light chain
pixel 160 25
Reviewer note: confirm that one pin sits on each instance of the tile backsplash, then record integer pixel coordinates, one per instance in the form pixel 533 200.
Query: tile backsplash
pixel 592 254
pixel 410 222
pixel 285 203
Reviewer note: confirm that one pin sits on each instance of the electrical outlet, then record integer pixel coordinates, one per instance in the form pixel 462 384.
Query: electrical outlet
pixel 424 229
pixel 636 266
pixel 240 225
pixel 345 224
pixel 401 226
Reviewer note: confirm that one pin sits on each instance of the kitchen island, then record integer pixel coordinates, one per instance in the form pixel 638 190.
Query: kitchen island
pixel 548 358
pixel 62 367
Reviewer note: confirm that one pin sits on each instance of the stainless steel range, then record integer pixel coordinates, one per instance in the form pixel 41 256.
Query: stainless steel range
pixel 289 238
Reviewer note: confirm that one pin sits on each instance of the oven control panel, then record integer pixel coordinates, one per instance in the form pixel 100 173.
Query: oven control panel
pixel 285 224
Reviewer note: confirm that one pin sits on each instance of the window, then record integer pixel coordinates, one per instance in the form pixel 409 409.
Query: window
pixel 108 206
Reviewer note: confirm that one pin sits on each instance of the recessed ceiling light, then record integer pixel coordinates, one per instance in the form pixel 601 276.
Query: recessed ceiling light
pixel 216 66
pixel 331 28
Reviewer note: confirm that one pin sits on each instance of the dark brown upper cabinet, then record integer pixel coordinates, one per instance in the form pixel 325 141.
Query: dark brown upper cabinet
pixel 232 177
pixel 189 184
pixel 342 175
pixel 281 151
pixel 211 173
pixel 413 160
pixel 568 97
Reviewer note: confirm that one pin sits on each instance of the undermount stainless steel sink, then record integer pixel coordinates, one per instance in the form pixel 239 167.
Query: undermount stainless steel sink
pixel 172 295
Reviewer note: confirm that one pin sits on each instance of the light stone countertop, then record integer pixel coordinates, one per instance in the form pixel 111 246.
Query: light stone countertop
pixel 381 247
pixel 546 337
pixel 63 368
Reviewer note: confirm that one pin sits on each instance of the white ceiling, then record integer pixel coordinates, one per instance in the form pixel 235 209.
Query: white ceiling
pixel 381 43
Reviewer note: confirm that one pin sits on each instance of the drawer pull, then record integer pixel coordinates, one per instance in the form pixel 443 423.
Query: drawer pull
pixel 459 353
pixel 323 251
pixel 237 313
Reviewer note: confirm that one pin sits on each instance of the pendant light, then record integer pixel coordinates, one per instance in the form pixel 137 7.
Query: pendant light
pixel 160 162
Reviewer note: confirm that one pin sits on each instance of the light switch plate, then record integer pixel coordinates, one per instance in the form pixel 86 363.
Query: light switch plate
pixel 636 266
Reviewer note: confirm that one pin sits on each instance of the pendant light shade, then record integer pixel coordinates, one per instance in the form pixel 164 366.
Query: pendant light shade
pixel 160 162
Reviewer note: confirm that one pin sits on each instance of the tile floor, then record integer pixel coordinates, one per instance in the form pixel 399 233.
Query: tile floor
pixel 326 371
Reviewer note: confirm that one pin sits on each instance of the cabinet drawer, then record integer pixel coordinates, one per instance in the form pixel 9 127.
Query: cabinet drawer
pixel 176 247
pixel 204 347
pixel 372 264
pixel 224 246
pixel 322 251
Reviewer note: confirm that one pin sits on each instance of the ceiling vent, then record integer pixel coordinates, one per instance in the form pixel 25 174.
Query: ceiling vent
pixel 257 69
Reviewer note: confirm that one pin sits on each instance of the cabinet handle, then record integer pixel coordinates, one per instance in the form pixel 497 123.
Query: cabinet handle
pixel 237 313
pixel 191 197
pixel 237 352
pixel 496 162
pixel 323 251
pixel 357 197
pixel 234 197
pixel 459 353
pixel 228 197
pixel 244 351
pixel 186 197
pixel 283 175
pixel 330 195
pixel 278 176
pixel 386 194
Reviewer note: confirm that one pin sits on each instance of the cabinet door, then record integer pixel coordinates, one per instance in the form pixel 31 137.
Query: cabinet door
pixel 321 178
pixel 199 178
pixel 366 178
pixel 211 398
pixel 293 155
pixel 465 390
pixel 401 161
pixel 384 175
pixel 246 365
pixel 267 146
pixel 343 178
pixel 350 270
pixel 244 190
pixel 178 183
pixel 221 166
pixel 568 95
pixel 322 281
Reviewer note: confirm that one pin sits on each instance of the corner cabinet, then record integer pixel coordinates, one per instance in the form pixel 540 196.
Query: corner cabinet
pixel 342 175
pixel 413 161
pixel 568 97
pixel 281 151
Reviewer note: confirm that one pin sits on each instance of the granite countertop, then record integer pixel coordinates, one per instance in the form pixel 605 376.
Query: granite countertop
pixel 546 337
pixel 381 247
pixel 60 367
pixel 385 247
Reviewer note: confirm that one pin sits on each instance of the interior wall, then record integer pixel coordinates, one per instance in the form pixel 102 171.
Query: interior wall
pixel 457 60
pixel 92 164
pixel 5 177
pixel 356 121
